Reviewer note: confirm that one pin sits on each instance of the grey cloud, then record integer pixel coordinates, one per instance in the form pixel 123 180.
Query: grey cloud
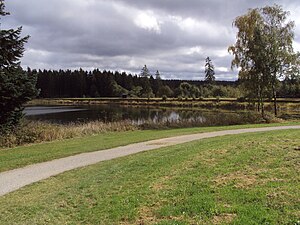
pixel 103 33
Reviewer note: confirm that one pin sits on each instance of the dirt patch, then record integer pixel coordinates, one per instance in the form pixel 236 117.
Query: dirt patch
pixel 240 179
pixel 223 218
pixel 146 216
pixel 160 184
pixel 221 151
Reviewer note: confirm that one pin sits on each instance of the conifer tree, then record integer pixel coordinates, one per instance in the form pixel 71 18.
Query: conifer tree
pixel 16 87
pixel 145 72
pixel 209 71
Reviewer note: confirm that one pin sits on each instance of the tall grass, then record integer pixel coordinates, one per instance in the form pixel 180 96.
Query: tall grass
pixel 37 131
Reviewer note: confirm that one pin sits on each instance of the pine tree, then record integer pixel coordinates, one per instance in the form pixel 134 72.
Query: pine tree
pixel 16 86
pixel 209 71
pixel 145 72
pixel 157 75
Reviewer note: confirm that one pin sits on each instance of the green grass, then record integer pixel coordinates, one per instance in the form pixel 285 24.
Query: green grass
pixel 238 179
pixel 26 155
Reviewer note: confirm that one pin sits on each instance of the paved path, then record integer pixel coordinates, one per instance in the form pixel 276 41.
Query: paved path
pixel 17 178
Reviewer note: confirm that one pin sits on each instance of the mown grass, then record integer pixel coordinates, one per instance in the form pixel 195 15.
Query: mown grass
pixel 238 179
pixel 12 158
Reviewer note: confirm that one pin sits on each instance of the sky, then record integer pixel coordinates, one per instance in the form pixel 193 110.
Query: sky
pixel 171 36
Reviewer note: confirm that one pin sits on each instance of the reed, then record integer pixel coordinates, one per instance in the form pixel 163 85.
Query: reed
pixel 37 131
pixel 30 132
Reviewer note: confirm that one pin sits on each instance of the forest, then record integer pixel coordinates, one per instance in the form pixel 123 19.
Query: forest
pixel 96 83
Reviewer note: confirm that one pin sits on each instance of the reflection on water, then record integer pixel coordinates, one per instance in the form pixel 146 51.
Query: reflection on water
pixel 111 113
pixel 40 110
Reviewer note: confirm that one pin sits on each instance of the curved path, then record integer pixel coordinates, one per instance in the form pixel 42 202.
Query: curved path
pixel 17 178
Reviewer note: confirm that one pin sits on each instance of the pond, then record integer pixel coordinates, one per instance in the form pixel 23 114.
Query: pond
pixel 137 115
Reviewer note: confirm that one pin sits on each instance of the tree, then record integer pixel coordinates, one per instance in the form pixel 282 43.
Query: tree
pixel 156 84
pixel 16 86
pixel 188 90
pixel 185 89
pixel 145 72
pixel 209 71
pixel 165 90
pixel 263 51
pixel 157 75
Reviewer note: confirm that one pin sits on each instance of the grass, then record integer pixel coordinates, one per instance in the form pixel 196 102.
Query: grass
pixel 25 155
pixel 238 179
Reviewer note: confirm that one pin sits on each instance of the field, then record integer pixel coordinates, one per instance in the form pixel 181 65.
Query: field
pixel 238 179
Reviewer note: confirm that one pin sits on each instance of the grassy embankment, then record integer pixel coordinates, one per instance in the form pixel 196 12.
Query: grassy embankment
pixel 12 158
pixel 238 179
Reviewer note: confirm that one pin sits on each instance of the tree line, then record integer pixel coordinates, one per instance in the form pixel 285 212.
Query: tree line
pixel 96 83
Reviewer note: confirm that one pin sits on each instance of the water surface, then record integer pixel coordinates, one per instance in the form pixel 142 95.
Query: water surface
pixel 137 115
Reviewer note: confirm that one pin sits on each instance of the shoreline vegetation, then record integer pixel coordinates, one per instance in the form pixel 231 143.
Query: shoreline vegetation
pixel 32 132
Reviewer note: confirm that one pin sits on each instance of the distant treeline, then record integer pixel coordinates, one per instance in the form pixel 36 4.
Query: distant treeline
pixel 96 83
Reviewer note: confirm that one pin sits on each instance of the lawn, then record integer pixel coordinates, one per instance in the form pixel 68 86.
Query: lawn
pixel 238 179
pixel 26 155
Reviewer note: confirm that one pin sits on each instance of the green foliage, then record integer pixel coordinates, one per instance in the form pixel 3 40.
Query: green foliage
pixel 16 86
pixel 165 90
pixel 263 51
pixel 118 90
pixel 136 91
pixel 189 90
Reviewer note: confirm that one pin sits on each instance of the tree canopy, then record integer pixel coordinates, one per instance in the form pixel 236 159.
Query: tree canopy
pixel 263 51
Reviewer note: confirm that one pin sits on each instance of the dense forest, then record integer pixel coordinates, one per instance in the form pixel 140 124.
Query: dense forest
pixel 96 83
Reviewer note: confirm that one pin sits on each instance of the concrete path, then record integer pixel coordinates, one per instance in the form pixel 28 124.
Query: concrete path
pixel 17 178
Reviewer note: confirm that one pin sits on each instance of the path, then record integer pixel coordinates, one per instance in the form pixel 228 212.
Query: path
pixel 17 178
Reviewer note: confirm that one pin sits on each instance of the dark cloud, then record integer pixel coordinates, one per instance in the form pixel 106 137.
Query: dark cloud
pixel 172 36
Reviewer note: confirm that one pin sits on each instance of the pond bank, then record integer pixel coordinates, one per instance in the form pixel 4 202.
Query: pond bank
pixel 208 103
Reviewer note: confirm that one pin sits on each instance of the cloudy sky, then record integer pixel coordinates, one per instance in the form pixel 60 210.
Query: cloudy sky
pixel 172 36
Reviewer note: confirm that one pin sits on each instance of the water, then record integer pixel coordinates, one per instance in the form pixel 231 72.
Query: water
pixel 138 115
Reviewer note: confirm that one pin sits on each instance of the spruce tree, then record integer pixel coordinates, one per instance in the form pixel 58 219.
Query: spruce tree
pixel 209 71
pixel 145 72
pixel 16 87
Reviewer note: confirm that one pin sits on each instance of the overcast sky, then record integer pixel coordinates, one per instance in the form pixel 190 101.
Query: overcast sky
pixel 172 36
